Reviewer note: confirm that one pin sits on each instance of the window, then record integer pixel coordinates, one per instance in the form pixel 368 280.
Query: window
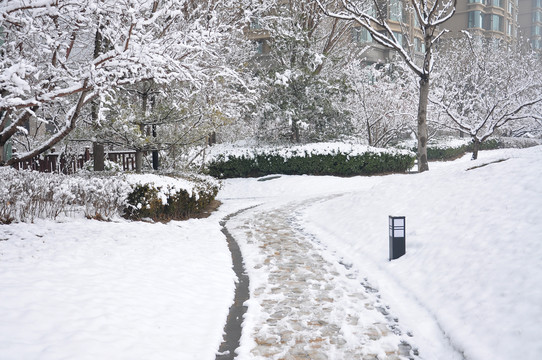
pixel 399 37
pixel 371 11
pixel 477 1
pixel 536 30
pixel 396 10
pixel 537 16
pixel 259 46
pixel 537 4
pixel 508 27
pixel 361 35
pixel 496 23
pixel 475 19
pixel 498 3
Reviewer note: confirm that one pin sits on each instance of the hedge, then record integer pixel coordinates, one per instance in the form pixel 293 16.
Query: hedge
pixel 441 153
pixel 29 195
pixel 337 163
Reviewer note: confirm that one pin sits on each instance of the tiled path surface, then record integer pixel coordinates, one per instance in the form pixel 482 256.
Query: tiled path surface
pixel 304 304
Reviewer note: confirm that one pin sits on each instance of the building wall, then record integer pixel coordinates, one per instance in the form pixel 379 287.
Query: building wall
pixel 496 19
pixel 530 22
pixel 508 20
pixel 405 28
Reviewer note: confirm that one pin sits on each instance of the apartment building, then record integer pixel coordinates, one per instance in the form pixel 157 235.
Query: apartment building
pixel 496 19
pixel 508 20
pixel 530 22
pixel 405 28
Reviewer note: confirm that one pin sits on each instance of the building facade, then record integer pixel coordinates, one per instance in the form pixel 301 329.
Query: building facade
pixel 530 22
pixel 507 20
pixel 495 19
pixel 404 26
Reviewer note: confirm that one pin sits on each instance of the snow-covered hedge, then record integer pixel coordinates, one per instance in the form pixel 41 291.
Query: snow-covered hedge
pixel 453 148
pixel 443 152
pixel 322 159
pixel 166 198
pixel 27 195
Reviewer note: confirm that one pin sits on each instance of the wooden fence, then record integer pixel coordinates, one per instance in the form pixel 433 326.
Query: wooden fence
pixel 61 163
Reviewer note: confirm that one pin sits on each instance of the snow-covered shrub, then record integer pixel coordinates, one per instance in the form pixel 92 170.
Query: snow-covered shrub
pixel 101 196
pixel 300 161
pixel 442 151
pixel 169 198
pixel 27 195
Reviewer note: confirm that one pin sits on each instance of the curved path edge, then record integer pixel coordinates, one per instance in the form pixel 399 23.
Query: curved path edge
pixel 234 322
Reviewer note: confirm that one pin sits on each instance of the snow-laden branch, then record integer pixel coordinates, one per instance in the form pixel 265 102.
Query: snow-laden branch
pixel 480 92
pixel 48 64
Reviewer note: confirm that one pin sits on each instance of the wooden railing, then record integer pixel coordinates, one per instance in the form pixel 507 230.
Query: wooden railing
pixel 124 158
pixel 60 163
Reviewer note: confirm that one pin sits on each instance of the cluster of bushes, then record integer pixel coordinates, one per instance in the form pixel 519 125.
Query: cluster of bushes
pixel 170 202
pixel 336 163
pixel 444 153
pixel 29 195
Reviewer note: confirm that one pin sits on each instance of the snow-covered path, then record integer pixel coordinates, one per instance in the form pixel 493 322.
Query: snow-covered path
pixel 304 304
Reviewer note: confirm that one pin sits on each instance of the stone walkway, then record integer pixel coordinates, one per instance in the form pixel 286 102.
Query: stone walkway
pixel 305 304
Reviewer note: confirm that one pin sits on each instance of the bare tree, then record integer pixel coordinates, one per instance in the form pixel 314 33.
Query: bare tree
pixel 379 102
pixel 484 85
pixel 374 16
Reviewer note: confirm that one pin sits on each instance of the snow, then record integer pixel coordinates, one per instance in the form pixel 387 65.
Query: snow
pixel 468 286
pixel 121 290
pixel 469 283
pixel 473 258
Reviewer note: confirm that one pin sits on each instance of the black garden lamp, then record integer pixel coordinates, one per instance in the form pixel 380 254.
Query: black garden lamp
pixel 397 236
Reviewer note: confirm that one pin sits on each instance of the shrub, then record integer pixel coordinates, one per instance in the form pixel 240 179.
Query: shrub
pixel 339 163
pixel 438 153
pixel 27 195
pixel 163 201
pixel 490 144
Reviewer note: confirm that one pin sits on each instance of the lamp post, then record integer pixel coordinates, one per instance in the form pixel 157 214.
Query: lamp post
pixel 397 236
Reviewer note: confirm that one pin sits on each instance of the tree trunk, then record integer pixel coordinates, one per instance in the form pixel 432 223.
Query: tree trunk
pixel 155 159
pixel 99 158
pixel 139 161
pixel 475 148
pixel 369 135
pixel 423 164
pixel 295 132
pixel 139 153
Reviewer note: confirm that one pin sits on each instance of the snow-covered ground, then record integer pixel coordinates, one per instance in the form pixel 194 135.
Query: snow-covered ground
pixel 468 285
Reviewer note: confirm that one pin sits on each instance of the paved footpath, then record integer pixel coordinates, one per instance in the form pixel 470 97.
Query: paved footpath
pixel 304 304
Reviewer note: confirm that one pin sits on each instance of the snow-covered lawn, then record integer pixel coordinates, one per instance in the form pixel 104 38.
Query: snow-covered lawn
pixel 471 277
pixel 86 289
